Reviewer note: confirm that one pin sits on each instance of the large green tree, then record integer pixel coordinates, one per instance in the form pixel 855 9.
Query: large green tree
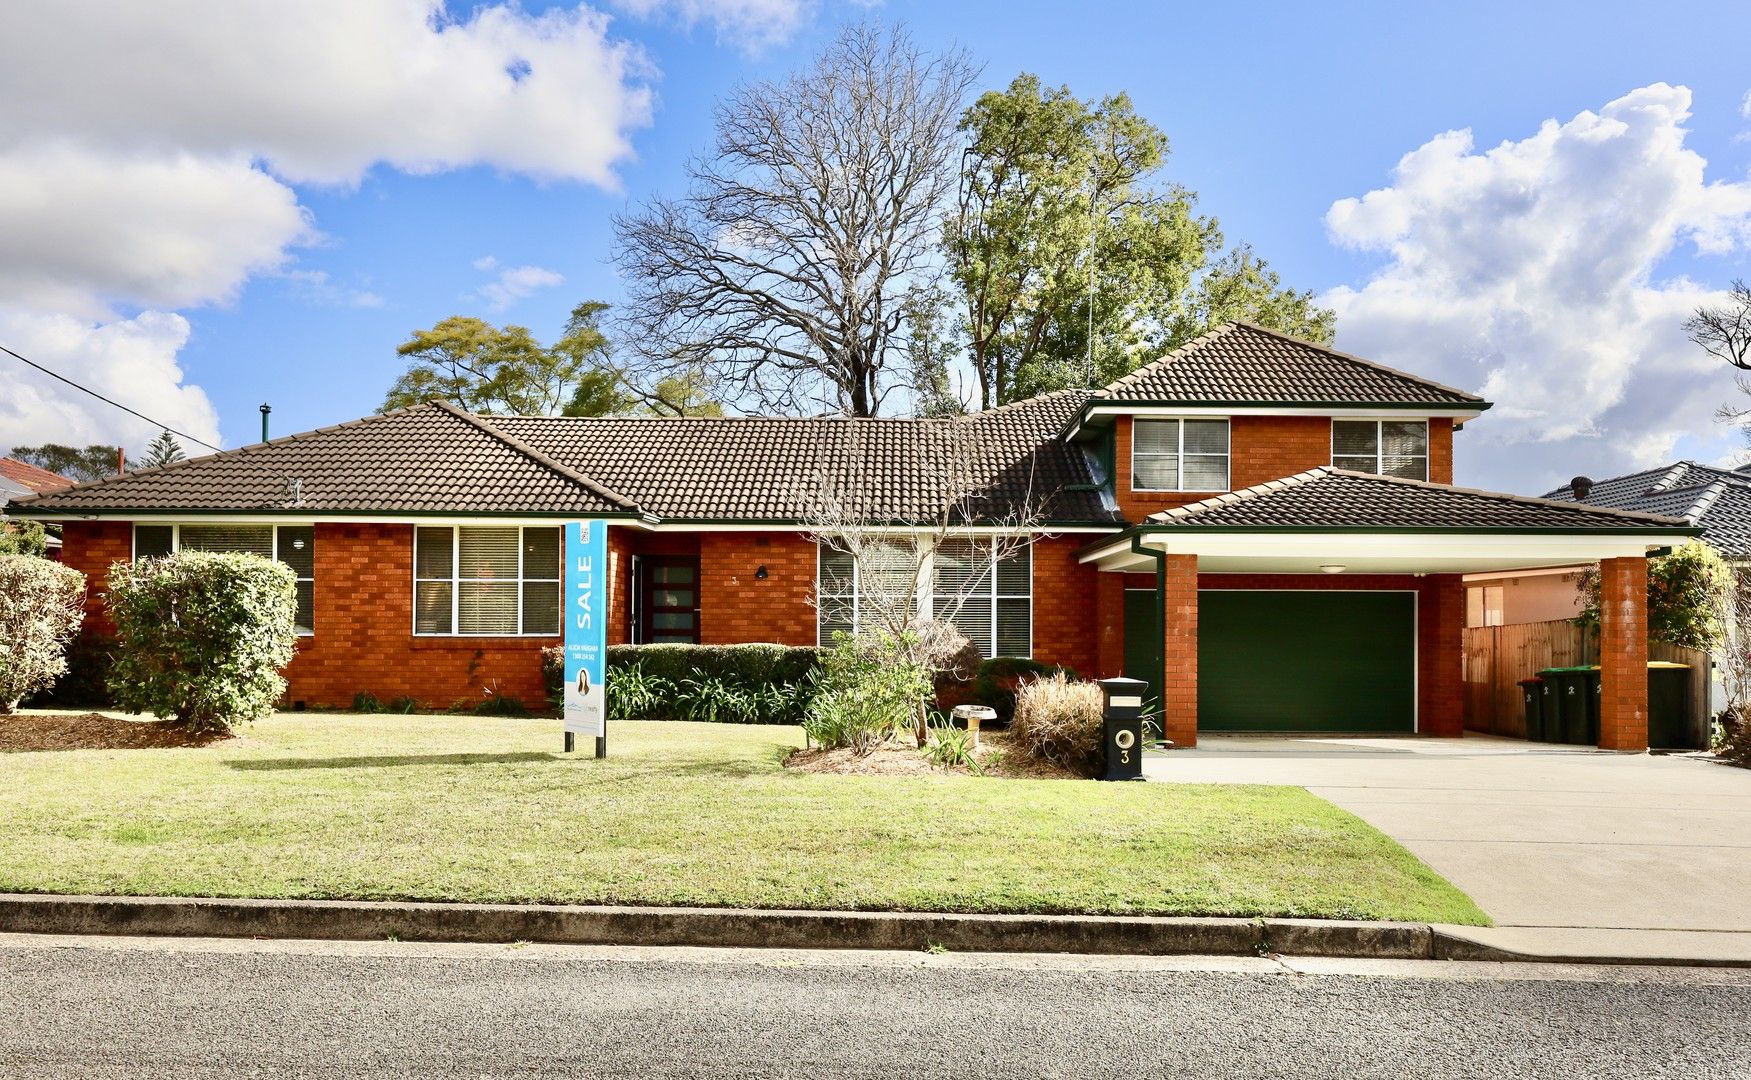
pixel 1062 230
pixel 492 369
pixel 80 464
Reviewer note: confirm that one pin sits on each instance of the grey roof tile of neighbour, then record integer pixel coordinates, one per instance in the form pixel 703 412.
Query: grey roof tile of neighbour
pixel 1715 499
pixel 431 458
pixel 1336 498
pixel 1240 363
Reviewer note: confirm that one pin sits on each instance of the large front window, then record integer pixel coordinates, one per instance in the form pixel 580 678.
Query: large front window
pixel 1179 455
pixel 294 545
pixel 496 581
pixel 1387 447
pixel 959 582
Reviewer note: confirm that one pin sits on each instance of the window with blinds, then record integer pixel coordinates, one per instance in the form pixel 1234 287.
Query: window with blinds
pixel 497 581
pixel 294 545
pixel 853 587
pixel 1179 455
pixel 989 600
pixel 1387 447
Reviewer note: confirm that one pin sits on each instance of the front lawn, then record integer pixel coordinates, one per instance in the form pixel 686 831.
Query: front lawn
pixel 465 808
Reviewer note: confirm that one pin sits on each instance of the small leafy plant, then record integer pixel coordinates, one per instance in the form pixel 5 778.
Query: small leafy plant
pixel 950 747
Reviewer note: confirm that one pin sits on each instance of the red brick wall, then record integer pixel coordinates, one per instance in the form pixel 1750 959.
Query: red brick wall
pixel 1440 632
pixel 1261 449
pixel 619 585
pixel 1179 650
pixel 1065 606
pixel 1623 654
pixel 364 637
pixel 1109 625
pixel 89 547
pixel 735 606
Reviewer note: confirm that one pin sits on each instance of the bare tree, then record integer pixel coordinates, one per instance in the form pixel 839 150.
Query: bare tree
pixel 899 574
pixel 1733 661
pixel 784 270
pixel 1724 332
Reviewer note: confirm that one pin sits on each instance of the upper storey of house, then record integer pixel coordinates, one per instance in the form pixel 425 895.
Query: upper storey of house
pixel 1243 405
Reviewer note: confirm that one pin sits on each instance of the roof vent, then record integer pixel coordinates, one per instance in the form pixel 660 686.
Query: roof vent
pixel 1579 487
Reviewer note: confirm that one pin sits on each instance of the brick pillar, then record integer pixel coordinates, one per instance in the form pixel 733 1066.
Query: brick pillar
pixel 1623 654
pixel 1109 631
pixel 1441 655
pixel 1179 649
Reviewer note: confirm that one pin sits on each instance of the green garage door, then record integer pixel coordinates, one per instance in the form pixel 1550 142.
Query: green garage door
pixel 1306 661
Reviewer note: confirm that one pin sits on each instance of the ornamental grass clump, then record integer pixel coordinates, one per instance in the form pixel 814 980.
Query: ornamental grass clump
pixel 1059 719
pixel 201 637
pixel 41 606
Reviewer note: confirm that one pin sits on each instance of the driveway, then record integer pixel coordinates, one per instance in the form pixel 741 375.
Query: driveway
pixel 1541 836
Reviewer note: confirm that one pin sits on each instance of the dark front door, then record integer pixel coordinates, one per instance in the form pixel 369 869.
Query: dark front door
pixel 668 609
pixel 1142 639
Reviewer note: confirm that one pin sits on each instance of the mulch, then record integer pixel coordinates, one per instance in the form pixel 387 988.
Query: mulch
pixel 94 731
pixel 901 758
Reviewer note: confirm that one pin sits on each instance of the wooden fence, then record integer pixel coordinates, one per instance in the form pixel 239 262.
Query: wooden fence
pixel 1498 657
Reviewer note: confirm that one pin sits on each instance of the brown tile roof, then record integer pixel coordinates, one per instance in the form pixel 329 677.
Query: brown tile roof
pixel 763 468
pixel 436 458
pixel 30 476
pixel 432 458
pixel 1239 363
pixel 1335 498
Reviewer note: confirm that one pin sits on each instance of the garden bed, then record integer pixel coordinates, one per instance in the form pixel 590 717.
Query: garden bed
pixel 29 732
pixel 999 755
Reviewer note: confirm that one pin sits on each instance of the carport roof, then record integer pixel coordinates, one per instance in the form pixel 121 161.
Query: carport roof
pixel 1330 498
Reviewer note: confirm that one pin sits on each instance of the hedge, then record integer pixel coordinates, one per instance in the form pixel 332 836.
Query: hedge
pixel 725 683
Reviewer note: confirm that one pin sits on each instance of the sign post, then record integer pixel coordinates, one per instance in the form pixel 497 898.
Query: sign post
pixel 586 633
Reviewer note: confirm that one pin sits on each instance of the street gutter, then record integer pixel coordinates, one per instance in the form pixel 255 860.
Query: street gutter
pixel 357 920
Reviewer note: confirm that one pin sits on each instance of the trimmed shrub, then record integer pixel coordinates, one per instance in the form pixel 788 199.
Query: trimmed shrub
pixel 86 681
pixel 742 666
pixel 201 637
pixel 23 538
pixel 998 678
pixel 1059 719
pixel 42 604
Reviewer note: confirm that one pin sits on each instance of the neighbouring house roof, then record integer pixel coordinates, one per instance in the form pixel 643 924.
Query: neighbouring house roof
pixel 23 476
pixel 432 458
pixel 1716 500
pixel 1328 498
pixel 438 459
pixel 1240 363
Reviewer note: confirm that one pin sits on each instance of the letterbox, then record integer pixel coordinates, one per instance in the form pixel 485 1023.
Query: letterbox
pixel 1122 728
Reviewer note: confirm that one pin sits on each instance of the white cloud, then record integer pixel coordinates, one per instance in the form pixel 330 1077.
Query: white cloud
pixel 148 153
pixel 513 283
pixel 1530 273
pixel 130 360
pixel 1745 106
pixel 752 25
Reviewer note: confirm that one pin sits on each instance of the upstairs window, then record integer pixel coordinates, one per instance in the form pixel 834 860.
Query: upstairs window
pixel 490 581
pixel 294 545
pixel 1387 447
pixel 1179 455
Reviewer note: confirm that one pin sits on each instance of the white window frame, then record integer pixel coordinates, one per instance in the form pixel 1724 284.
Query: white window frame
pixel 1380 441
pixel 927 591
pixel 274 546
pixel 456 581
pixel 1180 455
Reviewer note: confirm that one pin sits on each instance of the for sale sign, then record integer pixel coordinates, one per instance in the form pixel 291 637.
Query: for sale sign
pixel 586 629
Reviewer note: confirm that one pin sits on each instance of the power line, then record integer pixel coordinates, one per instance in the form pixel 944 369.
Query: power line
pixel 107 401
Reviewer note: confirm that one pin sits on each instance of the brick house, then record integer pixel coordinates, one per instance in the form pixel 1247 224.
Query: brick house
pixel 1264 529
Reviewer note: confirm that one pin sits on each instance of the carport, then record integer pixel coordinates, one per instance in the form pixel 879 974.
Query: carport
pixel 1333 601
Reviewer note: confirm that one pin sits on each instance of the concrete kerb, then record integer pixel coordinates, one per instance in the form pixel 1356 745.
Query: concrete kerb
pixel 354 920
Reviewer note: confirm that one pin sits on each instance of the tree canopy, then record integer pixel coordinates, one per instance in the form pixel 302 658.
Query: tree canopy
pixel 1060 231
pixel 163 450
pixel 79 464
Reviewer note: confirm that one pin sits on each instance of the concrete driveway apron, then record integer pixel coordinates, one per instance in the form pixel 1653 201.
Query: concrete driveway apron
pixel 1541 836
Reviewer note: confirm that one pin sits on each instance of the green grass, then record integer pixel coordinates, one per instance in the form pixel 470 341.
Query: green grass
pixel 482 809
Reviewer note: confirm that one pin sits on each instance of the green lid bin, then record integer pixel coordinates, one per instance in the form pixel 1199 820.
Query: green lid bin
pixel 1669 708
pixel 1532 707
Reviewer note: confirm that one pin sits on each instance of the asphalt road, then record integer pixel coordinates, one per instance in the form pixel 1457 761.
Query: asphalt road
pixel 95 1008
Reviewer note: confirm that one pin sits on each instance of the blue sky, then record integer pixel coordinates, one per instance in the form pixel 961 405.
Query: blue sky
pixel 1275 111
